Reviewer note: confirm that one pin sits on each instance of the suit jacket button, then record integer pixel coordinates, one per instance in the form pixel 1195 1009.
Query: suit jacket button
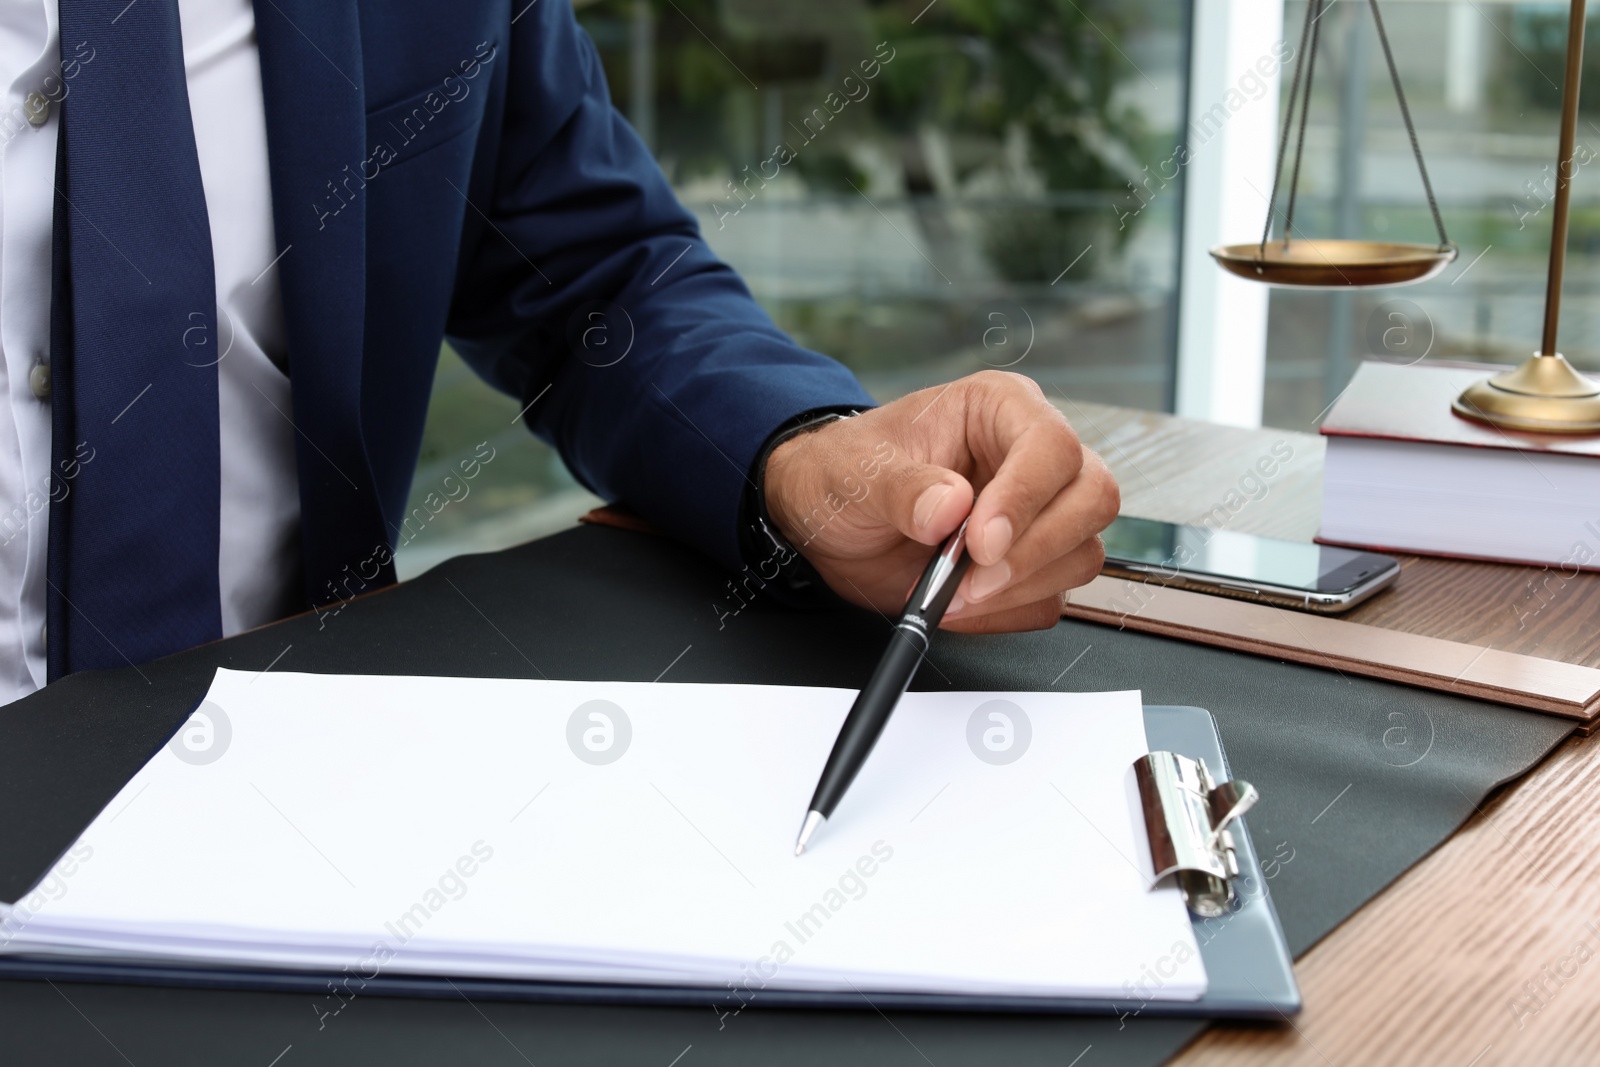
pixel 39 379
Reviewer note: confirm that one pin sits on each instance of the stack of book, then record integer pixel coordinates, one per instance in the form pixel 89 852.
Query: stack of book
pixel 1404 473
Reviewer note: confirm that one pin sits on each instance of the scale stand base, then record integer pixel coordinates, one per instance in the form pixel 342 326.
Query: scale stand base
pixel 1544 395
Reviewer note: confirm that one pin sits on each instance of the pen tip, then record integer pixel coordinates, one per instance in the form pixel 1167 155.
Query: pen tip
pixel 814 819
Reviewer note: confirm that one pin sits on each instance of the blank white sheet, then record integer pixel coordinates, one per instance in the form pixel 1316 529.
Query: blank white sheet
pixel 445 826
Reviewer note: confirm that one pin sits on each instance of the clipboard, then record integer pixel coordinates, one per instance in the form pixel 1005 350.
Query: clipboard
pixel 1194 818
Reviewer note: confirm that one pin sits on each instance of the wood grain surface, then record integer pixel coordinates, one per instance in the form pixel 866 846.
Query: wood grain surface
pixel 1488 951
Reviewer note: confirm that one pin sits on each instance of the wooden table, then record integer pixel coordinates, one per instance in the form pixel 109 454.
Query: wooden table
pixel 1442 967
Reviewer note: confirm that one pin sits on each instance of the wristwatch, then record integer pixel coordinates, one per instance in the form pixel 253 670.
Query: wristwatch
pixel 777 565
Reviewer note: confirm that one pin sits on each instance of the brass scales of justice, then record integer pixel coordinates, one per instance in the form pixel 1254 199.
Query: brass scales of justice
pixel 1545 394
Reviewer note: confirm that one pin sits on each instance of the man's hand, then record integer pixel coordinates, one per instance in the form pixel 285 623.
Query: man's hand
pixel 865 499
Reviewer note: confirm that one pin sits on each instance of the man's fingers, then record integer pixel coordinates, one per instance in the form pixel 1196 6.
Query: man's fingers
pixel 866 498
pixel 1068 571
pixel 854 487
pixel 1039 615
pixel 925 502
pixel 1033 452
pixel 1084 508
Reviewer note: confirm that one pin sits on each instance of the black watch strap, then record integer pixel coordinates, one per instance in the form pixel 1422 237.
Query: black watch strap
pixel 771 561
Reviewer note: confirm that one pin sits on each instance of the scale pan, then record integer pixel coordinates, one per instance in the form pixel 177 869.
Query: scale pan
pixel 1334 264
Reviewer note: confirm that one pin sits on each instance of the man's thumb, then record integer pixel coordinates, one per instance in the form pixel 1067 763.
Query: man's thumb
pixel 927 502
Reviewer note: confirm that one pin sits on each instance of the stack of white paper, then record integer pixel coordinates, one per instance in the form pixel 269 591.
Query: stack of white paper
pixel 630 832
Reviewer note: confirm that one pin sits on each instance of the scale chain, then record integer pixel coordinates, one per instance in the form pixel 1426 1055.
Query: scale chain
pixel 1411 130
pixel 1288 121
pixel 1310 33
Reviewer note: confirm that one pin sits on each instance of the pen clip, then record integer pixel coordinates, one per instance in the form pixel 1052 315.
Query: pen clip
pixel 944 565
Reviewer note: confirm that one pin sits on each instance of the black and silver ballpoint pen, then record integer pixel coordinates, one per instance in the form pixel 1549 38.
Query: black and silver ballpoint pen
pixel 876 701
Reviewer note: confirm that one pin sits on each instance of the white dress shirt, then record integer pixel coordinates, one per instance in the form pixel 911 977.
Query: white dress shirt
pixel 259 552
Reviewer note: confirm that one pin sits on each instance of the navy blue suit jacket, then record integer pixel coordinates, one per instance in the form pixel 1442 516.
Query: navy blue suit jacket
pixel 457 169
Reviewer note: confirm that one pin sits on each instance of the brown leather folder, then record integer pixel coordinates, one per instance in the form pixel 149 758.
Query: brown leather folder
pixel 1343 644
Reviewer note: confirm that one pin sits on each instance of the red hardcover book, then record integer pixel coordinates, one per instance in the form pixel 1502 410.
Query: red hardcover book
pixel 1405 473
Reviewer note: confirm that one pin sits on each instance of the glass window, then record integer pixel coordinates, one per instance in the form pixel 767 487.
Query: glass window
pixel 920 192
pixel 1482 78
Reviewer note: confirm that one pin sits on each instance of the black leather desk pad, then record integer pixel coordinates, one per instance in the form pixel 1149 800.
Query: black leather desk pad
pixel 1360 779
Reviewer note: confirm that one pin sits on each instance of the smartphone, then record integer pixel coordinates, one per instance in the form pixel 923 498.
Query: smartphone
pixel 1290 574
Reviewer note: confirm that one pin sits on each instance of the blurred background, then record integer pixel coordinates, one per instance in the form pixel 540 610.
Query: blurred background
pixel 999 193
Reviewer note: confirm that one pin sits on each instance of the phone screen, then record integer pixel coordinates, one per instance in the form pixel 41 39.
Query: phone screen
pixel 1229 554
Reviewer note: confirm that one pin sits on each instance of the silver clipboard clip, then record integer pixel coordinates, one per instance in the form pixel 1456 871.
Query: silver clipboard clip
pixel 1187 815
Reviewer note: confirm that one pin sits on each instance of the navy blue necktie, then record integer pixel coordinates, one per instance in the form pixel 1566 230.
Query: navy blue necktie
pixel 135 511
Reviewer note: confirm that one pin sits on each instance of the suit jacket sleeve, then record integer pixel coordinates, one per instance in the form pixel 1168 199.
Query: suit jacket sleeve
pixel 586 289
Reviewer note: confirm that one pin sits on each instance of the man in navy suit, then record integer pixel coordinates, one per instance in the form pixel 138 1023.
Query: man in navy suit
pixel 220 449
